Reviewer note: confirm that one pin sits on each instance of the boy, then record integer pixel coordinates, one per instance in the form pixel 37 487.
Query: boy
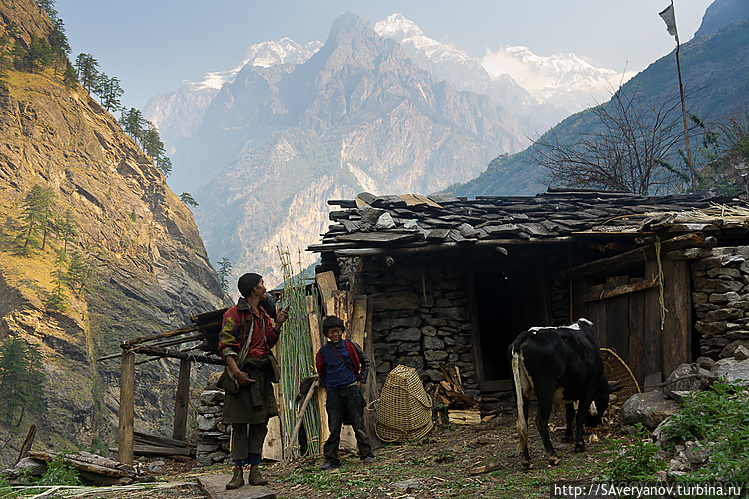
pixel 343 369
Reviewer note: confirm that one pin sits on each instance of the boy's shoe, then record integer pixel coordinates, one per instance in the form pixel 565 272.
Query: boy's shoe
pixel 330 466
pixel 368 460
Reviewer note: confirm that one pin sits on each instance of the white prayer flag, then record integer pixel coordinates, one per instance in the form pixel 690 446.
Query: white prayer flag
pixel 668 16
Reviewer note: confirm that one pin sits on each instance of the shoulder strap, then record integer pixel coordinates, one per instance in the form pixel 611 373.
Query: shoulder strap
pixel 358 378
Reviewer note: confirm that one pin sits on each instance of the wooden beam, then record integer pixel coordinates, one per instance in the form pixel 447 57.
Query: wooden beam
pixel 127 408
pixel 182 400
pixel 326 283
pixel 621 290
pixel 634 256
pixel 173 354
pixel 168 334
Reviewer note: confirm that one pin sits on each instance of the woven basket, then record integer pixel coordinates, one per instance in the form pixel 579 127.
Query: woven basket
pixel 616 369
pixel 404 411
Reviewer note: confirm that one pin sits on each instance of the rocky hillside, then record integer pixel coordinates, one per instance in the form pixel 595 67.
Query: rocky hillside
pixel 151 268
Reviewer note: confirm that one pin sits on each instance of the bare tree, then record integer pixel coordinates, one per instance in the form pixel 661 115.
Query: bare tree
pixel 626 144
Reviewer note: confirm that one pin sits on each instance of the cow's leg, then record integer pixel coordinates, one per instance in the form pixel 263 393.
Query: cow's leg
pixel 524 450
pixel 545 405
pixel 569 411
pixel 582 414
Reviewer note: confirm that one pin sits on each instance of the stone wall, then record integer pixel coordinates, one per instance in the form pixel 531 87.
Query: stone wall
pixel 720 295
pixel 421 315
pixel 212 435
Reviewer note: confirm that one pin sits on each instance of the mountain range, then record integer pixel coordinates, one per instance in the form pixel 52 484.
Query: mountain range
pixel 715 68
pixel 383 109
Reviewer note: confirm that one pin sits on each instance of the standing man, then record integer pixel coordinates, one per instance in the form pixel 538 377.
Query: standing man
pixel 247 336
pixel 343 369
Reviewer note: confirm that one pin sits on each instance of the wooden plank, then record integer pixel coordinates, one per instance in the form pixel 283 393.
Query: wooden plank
pixel 617 318
pixel 316 341
pixel 127 407
pixel 326 283
pixel 144 438
pixel 26 446
pixel 677 295
pixel 651 359
pixel 635 256
pixel 464 417
pixel 168 334
pixel 273 443
pixel 637 336
pixel 358 320
pixel 619 290
pixel 182 400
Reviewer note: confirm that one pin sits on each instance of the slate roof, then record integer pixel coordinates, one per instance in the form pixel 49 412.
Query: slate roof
pixel 413 221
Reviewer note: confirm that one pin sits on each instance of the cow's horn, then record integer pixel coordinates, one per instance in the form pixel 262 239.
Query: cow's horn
pixel 593 410
pixel 615 383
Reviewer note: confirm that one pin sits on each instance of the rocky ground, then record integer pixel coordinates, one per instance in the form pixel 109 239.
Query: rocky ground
pixel 436 466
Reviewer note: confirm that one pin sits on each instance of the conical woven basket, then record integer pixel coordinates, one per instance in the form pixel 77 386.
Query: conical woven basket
pixel 617 370
pixel 404 411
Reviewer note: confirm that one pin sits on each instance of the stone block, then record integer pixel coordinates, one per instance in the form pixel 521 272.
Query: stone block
pixel 731 296
pixel 429 331
pixel 432 343
pixel 699 298
pixel 435 355
pixel 382 323
pixel 409 334
pixel 212 397
pixel 716 285
pixel 401 300
pixel 724 314
pixel 724 272
pixel 408 347
pixel 450 313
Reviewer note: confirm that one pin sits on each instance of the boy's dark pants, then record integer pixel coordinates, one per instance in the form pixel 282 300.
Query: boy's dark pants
pixel 345 404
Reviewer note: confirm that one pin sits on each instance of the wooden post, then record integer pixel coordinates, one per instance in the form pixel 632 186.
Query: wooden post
pixel 127 408
pixel 182 400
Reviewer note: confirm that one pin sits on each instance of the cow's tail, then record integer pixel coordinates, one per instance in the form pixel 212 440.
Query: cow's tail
pixel 517 375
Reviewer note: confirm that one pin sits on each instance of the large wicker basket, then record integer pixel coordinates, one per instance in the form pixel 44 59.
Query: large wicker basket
pixel 404 411
pixel 617 370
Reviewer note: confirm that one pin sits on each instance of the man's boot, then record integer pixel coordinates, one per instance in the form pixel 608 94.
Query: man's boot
pixel 237 480
pixel 255 477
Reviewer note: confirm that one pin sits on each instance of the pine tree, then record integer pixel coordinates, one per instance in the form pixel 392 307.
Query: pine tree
pixel 81 272
pixel 224 270
pixel 88 72
pixel 67 228
pixel 38 210
pixel 56 300
pixel 109 91
pixel 21 380
pixel 132 123
pixel 187 198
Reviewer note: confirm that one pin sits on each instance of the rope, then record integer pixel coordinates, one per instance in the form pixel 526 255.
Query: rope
pixel 661 298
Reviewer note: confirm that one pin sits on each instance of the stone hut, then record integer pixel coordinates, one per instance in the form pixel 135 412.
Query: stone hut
pixel 665 279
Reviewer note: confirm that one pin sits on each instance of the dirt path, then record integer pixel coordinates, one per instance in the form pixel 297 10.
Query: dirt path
pixel 437 466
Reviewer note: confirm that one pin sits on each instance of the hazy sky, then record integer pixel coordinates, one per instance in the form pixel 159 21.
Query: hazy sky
pixel 153 45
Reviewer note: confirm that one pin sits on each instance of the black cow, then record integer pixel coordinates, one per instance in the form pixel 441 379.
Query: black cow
pixel 560 365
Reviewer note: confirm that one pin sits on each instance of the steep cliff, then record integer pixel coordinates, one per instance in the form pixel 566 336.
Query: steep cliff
pixel 151 268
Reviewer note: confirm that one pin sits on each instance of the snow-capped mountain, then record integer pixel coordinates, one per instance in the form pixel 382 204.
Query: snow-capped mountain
pixel 569 81
pixel 565 81
pixel 178 113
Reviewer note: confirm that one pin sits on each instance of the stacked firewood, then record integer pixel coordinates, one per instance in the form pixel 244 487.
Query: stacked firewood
pixel 452 403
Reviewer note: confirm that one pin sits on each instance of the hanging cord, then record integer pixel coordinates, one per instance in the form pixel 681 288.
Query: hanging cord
pixel 661 299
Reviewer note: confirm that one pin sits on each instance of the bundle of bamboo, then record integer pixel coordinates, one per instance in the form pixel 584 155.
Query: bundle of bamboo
pixel 296 359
